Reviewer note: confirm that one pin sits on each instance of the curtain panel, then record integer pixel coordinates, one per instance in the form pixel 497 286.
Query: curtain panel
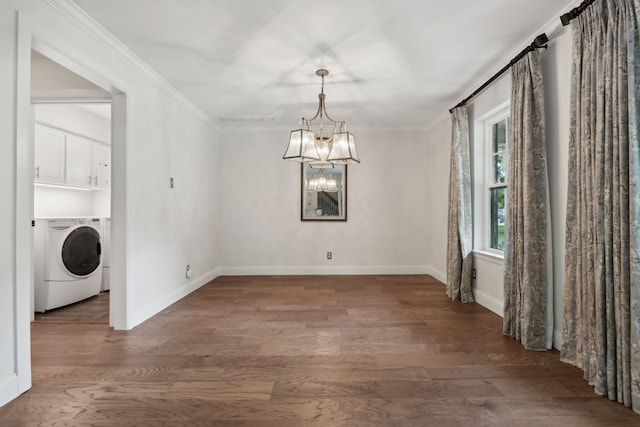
pixel 601 318
pixel 460 222
pixel 527 284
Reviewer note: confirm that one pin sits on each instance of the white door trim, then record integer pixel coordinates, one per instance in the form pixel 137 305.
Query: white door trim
pixel 29 36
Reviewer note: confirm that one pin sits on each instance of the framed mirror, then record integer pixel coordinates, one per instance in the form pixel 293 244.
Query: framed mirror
pixel 324 193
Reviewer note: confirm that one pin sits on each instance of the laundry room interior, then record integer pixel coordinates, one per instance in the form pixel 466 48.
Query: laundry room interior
pixel 71 193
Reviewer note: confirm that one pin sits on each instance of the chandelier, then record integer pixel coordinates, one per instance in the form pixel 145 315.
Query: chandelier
pixel 329 144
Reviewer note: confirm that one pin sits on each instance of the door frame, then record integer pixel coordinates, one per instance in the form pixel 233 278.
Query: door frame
pixel 31 36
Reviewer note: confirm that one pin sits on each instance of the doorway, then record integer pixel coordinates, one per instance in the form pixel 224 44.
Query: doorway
pixel 31 36
pixel 91 88
pixel 71 194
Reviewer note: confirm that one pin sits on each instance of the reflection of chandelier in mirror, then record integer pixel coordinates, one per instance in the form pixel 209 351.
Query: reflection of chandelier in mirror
pixel 322 182
pixel 316 148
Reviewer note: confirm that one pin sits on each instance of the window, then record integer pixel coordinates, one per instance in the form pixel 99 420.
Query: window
pixel 491 159
pixel 497 181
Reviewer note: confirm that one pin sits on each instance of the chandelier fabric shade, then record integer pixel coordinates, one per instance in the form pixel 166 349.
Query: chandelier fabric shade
pixel 343 150
pixel 316 148
pixel 302 147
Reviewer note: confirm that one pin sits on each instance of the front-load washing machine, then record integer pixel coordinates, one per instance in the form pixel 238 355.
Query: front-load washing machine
pixel 106 254
pixel 70 268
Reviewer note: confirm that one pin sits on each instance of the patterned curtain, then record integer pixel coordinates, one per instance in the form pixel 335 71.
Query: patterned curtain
pixel 460 233
pixel 601 319
pixel 527 287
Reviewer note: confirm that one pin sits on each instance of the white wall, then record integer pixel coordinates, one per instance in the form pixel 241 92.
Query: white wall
pixel 170 227
pixel 488 286
pixel 387 208
pixel 557 73
pixel 60 202
pixel 74 118
pixel 165 229
pixel 437 196
pixel 51 81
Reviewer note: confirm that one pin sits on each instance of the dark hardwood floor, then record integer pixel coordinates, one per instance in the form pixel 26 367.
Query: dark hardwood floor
pixel 91 310
pixel 304 351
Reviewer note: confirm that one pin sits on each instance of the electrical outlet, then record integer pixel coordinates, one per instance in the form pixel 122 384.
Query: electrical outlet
pixel 473 273
pixel 171 184
pixel 188 272
pixel 329 255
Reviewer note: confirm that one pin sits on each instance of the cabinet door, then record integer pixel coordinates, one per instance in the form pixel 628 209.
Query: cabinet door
pixel 101 165
pixel 49 155
pixel 78 161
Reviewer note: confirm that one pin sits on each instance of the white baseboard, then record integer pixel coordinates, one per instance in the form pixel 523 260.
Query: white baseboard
pixel 437 274
pixel 497 306
pixel 324 270
pixel 9 389
pixel 489 302
pixel 165 301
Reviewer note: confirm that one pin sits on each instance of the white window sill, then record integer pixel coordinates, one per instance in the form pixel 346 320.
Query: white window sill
pixel 493 257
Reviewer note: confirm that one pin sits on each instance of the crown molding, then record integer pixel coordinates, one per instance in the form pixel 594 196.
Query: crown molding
pixel 243 129
pixel 92 28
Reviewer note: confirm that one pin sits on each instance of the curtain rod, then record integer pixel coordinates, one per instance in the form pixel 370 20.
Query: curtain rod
pixel 538 42
pixel 575 12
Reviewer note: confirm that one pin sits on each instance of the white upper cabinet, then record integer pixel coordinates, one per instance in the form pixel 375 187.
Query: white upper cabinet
pixel 78 163
pixel 49 155
pixel 70 160
pixel 101 166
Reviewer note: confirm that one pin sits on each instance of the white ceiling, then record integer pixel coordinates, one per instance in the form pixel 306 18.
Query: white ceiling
pixel 392 63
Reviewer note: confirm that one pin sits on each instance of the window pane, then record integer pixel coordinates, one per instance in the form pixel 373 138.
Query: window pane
pixel 499 137
pixel 497 210
pixel 499 168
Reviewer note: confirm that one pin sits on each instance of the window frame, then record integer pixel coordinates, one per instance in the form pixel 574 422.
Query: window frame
pixel 484 180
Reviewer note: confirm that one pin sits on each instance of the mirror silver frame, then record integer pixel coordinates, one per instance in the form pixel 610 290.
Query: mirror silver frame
pixel 323 205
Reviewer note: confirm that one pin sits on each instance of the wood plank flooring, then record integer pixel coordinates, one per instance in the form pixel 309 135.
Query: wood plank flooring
pixel 304 351
pixel 91 310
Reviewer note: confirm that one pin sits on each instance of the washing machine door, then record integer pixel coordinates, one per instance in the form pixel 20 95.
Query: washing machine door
pixel 81 251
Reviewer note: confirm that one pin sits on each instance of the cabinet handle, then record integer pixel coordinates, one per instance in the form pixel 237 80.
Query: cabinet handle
pixel 38 172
